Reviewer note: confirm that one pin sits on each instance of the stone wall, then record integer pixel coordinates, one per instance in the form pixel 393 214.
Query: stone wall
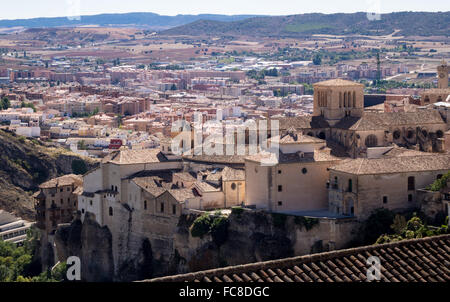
pixel 144 247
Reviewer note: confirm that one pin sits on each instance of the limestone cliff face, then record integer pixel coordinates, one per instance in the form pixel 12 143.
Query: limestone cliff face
pixel 91 243
pixel 256 236
pixel 131 254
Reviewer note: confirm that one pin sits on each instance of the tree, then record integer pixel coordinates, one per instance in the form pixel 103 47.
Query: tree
pixel 82 145
pixel 79 167
pixel 317 60
pixel 5 103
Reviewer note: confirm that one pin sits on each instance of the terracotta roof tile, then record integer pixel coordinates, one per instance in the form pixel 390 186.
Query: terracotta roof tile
pixel 418 260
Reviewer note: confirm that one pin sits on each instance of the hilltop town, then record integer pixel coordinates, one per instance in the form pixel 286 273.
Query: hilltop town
pixel 184 153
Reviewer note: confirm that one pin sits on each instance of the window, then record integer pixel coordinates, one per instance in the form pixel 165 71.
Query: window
pixel 62 201
pixel 350 185
pixel 385 199
pixel 279 171
pixel 145 204
pixel 280 188
pixel 110 211
pixel 82 211
pixel 410 198
pixel 233 186
pixel 304 170
pixel 162 207
pixel 174 209
pixel 90 202
pixel 371 141
pixel 68 189
pixel 280 203
pixel 411 183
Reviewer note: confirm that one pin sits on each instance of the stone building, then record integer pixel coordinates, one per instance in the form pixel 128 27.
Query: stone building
pixel 340 119
pixel 358 186
pixel 297 182
pixel 431 96
pixel 56 203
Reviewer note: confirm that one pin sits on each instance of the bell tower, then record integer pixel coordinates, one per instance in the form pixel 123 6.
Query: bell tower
pixel 443 70
pixel 337 99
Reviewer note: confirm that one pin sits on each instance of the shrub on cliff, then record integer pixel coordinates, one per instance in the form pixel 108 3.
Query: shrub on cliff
pixel 306 222
pixel 216 226
pixel 279 220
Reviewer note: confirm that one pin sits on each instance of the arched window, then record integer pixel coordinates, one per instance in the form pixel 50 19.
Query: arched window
pixel 110 211
pixel 439 133
pixel 410 134
pixel 397 134
pixel 233 186
pixel 371 141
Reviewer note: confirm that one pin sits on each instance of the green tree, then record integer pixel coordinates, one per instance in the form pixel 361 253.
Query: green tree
pixel 317 60
pixel 5 103
pixel 79 167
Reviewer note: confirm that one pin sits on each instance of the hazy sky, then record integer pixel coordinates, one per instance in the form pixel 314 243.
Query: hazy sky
pixel 56 8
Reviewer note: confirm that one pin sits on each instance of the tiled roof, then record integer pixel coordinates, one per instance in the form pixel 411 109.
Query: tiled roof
pixel 384 120
pixel 65 180
pixel 337 83
pixel 128 157
pixel 422 260
pixel 399 164
pixel 229 174
pixel 302 122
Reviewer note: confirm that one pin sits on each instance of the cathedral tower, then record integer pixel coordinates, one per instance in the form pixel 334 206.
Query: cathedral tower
pixel 443 70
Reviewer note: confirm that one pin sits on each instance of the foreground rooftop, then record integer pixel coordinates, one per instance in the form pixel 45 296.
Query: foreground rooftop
pixel 422 260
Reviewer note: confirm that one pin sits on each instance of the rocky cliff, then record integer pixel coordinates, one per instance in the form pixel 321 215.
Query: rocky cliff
pixel 26 163
pixel 242 237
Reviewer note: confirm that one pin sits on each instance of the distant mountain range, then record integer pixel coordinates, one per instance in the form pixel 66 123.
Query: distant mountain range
pixel 149 20
pixel 407 24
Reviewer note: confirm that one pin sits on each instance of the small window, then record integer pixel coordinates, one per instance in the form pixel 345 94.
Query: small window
pixel 68 189
pixel 111 211
pixel 61 190
pixel 62 201
pixel 90 202
pixel 385 199
pixel 411 183
pixel 233 186
pixel 280 203
pixel 280 188
pixel 174 209
pixel 350 185
pixel 82 211
pixel 145 204
pixel 304 170
pixel 410 198
pixel 279 171
pixel 162 207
